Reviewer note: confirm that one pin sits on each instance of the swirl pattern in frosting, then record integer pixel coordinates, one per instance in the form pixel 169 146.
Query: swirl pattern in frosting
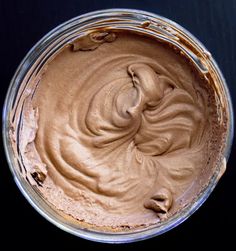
pixel 122 130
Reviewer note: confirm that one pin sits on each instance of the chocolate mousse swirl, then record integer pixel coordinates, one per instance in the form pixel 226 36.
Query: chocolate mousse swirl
pixel 122 127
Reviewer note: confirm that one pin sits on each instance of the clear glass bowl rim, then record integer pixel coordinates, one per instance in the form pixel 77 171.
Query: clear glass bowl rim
pixel 91 234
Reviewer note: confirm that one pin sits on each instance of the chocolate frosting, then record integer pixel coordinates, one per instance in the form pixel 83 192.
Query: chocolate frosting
pixel 121 125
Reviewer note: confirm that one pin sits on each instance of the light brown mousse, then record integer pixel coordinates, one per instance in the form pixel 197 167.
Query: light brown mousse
pixel 117 133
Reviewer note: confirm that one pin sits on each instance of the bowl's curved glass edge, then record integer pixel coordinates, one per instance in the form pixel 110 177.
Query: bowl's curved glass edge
pixel 90 234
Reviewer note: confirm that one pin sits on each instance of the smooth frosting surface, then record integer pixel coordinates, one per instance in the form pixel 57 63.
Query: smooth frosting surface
pixel 121 130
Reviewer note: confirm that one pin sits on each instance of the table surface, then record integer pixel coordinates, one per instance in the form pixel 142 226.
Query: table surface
pixel 23 23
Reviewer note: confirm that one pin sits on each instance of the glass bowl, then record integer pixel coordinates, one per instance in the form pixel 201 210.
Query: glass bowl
pixel 117 19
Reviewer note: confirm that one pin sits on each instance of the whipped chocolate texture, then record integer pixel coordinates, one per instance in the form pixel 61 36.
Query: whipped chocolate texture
pixel 117 131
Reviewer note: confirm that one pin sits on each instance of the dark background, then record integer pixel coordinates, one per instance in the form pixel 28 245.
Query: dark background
pixel 23 23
